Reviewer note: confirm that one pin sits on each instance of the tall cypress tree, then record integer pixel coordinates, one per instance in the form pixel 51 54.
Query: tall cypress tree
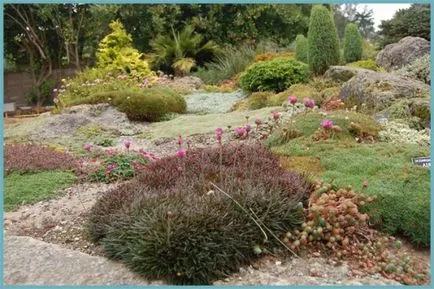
pixel 323 40
pixel 353 44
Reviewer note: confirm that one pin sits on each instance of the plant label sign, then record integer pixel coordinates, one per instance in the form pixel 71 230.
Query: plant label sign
pixel 422 161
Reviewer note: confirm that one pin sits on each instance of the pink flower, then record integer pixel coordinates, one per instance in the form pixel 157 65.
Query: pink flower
pixel 276 115
pixel 240 131
pixel 110 168
pixel 219 133
pixel 248 128
pixel 127 144
pixel 258 121
pixel 87 147
pixel 179 141
pixel 308 102
pixel 110 152
pixel 181 153
pixel 292 99
pixel 81 161
pixel 327 124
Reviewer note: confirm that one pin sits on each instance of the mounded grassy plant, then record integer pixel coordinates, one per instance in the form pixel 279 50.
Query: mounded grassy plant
pixel 353 43
pixel 172 223
pixel 323 41
pixel 301 48
pixel 274 75
pixel 149 104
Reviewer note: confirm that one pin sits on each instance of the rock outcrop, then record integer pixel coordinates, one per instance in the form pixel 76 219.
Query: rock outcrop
pixel 344 73
pixel 404 52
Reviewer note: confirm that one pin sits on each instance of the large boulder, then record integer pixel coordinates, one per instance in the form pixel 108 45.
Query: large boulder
pixel 343 73
pixel 379 90
pixel 407 50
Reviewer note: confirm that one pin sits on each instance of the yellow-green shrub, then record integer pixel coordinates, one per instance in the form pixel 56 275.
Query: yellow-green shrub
pixel 259 99
pixel 366 64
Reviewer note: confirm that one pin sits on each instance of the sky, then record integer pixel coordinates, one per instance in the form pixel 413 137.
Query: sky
pixel 383 11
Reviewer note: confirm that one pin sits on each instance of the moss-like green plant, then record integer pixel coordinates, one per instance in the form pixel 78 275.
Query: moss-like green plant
pixel 366 64
pixel 353 44
pixel 301 48
pixel 259 99
pixel 323 40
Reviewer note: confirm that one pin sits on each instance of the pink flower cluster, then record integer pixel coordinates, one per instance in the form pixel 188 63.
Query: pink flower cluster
pixel 219 133
pixel 309 103
pixel 326 124
pixel 292 99
pixel 110 168
pixel 276 115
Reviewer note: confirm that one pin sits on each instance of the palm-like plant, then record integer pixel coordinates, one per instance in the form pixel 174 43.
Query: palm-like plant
pixel 182 50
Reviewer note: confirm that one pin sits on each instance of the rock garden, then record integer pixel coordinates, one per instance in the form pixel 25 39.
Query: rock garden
pixel 262 166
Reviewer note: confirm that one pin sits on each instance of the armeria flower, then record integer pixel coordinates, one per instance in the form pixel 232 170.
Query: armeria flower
pixel 87 147
pixel 81 161
pixel 181 153
pixel 127 144
pixel 308 102
pixel 110 168
pixel 276 115
pixel 327 124
pixel 240 131
pixel 179 141
pixel 258 122
pixel 248 128
pixel 292 99
pixel 219 133
pixel 110 152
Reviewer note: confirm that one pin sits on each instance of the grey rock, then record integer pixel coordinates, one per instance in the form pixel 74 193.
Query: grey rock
pixel 31 262
pixel 379 90
pixel 407 50
pixel 344 73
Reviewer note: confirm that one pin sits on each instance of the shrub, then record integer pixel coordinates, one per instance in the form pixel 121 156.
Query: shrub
pixel 116 53
pixel 181 228
pixel 396 132
pixel 142 106
pixel 24 158
pixel 323 41
pixel 418 69
pixel 275 75
pixel 230 63
pixel 353 45
pixel 259 99
pixel 149 104
pixel 301 46
pixel 270 56
pixel 366 64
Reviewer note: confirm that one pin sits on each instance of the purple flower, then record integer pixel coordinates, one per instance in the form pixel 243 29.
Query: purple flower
pixel 81 161
pixel 308 102
pixel 327 124
pixel 87 147
pixel 240 131
pixel 258 121
pixel 127 144
pixel 292 99
pixel 181 153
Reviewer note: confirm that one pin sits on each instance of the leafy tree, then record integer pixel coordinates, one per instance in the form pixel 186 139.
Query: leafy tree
pixel 353 44
pixel 32 34
pixel 301 48
pixel 116 52
pixel 414 21
pixel 180 51
pixel 323 41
